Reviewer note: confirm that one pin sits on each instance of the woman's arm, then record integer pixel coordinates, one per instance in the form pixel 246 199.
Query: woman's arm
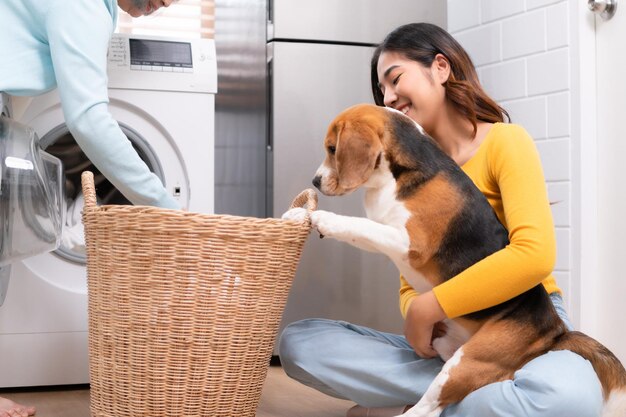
pixel 79 38
pixel 514 164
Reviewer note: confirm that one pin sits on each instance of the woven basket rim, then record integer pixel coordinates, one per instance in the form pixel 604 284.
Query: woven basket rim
pixel 116 210
pixel 306 199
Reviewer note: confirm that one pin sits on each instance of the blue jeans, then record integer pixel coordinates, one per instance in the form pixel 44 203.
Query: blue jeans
pixel 377 369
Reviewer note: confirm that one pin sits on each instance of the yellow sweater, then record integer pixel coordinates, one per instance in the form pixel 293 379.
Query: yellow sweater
pixel 507 170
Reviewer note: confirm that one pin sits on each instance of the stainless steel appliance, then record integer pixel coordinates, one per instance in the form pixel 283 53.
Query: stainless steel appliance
pixel 279 101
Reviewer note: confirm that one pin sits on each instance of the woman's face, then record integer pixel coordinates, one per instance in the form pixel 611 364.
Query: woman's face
pixel 137 8
pixel 413 89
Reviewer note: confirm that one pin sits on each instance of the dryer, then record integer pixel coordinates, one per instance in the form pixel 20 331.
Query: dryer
pixel 161 93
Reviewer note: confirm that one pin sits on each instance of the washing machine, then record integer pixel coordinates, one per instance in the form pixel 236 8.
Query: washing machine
pixel 162 95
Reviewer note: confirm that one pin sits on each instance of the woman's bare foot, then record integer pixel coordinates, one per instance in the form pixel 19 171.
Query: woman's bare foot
pixel 10 408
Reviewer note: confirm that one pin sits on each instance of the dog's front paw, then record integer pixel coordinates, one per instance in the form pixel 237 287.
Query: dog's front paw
pixel 326 223
pixel 298 214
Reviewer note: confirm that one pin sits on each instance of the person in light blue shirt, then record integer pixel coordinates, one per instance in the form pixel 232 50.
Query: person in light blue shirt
pixel 63 43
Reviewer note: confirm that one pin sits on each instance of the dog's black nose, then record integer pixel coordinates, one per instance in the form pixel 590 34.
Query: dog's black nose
pixel 317 181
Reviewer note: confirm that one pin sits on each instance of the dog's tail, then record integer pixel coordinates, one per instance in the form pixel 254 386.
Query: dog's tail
pixel 609 369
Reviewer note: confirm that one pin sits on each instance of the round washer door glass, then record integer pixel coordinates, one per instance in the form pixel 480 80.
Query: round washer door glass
pixel 60 143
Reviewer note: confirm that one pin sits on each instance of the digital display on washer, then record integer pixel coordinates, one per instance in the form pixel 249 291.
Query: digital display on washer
pixel 160 53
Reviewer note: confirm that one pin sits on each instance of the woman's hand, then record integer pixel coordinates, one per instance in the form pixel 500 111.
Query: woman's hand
pixel 424 312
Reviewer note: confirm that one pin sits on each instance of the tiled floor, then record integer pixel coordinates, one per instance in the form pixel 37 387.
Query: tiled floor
pixel 281 397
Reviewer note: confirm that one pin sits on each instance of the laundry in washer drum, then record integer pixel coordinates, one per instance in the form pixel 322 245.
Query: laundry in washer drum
pixel 32 204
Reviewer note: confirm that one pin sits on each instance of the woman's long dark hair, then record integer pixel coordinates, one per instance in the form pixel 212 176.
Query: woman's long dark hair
pixel 421 42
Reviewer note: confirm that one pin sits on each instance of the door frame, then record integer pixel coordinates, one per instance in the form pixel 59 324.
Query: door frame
pixel 584 301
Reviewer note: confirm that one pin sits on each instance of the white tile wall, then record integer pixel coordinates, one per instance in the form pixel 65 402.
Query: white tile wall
pixel 562 249
pixel 557 23
pixel 559 114
pixel 530 113
pixel 521 49
pixel 474 40
pixel 498 9
pixel 505 80
pixel 548 72
pixel 554 158
pixel 533 4
pixel 533 26
pixel 466 14
pixel 559 196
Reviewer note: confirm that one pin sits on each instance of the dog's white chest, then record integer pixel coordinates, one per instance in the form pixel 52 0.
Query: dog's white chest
pixel 382 207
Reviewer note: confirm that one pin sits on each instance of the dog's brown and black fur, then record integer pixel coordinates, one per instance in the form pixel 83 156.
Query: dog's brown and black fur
pixel 450 226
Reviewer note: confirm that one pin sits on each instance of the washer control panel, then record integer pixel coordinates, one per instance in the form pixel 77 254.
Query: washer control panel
pixel 157 63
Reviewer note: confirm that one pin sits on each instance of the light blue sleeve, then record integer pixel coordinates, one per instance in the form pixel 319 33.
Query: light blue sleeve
pixel 79 34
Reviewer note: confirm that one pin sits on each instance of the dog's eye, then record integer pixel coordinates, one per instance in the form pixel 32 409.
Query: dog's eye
pixel 331 150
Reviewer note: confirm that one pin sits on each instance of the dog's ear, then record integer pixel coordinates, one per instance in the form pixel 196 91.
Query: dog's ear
pixel 357 152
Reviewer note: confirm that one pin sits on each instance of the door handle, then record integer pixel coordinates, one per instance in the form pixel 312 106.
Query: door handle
pixel 605 8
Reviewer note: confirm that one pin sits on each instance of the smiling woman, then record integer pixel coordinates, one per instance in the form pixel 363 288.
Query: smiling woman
pixel 183 19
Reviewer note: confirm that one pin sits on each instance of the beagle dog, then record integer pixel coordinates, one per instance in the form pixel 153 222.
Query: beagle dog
pixel 430 219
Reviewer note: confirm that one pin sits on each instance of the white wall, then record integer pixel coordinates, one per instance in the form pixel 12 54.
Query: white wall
pixel 522 51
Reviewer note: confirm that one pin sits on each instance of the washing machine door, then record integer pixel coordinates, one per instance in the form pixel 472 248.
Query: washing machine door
pixel 60 143
pixel 31 199
pixel 64 269
pixel 32 207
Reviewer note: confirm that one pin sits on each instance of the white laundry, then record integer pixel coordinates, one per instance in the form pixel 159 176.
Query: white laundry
pixel 73 237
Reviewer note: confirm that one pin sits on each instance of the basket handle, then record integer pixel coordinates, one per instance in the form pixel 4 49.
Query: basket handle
pixel 89 190
pixel 306 198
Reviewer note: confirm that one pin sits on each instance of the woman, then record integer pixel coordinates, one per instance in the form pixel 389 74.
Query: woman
pixel 420 70
pixel 64 44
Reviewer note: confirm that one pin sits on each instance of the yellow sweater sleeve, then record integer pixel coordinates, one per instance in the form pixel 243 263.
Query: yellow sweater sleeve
pixel 407 293
pixel 507 169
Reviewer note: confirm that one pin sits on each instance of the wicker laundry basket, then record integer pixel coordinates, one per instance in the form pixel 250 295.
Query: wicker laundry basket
pixel 184 307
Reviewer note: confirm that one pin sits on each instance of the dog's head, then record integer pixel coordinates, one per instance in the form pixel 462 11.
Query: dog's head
pixel 354 149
